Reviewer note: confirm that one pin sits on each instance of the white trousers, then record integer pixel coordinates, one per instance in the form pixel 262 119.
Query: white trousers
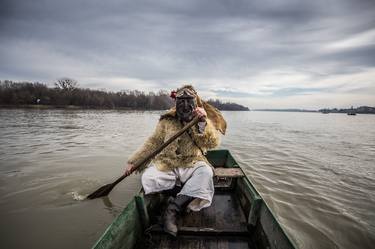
pixel 197 182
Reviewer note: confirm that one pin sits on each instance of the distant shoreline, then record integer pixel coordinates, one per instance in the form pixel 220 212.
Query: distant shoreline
pixel 75 107
pixel 359 110
pixel 283 110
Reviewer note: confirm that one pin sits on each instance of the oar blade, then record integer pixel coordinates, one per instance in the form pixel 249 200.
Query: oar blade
pixel 102 191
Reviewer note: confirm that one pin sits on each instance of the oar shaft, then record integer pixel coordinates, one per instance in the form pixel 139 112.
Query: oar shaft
pixel 166 143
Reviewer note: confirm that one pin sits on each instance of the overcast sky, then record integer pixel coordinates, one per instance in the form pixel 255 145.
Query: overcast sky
pixel 260 53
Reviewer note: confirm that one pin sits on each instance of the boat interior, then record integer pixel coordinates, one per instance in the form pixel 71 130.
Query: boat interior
pixel 225 224
pixel 237 217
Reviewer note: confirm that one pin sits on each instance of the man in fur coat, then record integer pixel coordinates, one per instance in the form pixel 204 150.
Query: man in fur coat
pixel 183 161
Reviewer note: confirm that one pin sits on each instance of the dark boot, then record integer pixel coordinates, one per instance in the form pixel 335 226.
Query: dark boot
pixel 175 207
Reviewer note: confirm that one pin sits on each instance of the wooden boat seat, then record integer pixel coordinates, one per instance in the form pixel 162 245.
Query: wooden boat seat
pixel 228 172
pixel 225 177
pixel 192 242
pixel 202 231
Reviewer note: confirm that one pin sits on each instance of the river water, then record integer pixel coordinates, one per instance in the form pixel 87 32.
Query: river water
pixel 315 171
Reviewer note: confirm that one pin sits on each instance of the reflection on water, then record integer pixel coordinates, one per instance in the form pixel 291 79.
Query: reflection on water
pixel 315 171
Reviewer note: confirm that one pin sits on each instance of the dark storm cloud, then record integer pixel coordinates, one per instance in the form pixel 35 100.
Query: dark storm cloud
pixel 361 56
pixel 159 44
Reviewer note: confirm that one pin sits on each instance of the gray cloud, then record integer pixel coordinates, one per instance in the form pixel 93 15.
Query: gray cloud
pixel 148 45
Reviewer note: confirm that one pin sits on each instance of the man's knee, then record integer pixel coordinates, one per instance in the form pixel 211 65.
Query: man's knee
pixel 147 176
pixel 150 183
pixel 154 180
pixel 205 171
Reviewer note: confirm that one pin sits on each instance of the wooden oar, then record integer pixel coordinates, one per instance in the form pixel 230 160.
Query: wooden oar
pixel 106 189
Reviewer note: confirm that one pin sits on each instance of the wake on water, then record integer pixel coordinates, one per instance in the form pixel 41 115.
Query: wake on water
pixel 76 196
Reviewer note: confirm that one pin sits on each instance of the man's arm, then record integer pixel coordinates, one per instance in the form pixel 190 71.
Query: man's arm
pixel 204 134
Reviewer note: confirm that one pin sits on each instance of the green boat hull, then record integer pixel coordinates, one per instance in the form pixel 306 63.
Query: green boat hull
pixel 238 218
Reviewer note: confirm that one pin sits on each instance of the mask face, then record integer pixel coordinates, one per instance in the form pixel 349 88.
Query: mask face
pixel 185 108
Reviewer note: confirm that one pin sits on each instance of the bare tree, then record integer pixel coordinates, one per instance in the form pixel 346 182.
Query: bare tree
pixel 66 84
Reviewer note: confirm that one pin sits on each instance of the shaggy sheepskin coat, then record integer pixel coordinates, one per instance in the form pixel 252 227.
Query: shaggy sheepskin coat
pixel 182 152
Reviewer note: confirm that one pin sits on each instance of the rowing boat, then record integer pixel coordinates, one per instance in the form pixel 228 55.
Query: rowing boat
pixel 237 218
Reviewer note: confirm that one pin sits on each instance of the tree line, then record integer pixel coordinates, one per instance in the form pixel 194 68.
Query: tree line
pixel 67 93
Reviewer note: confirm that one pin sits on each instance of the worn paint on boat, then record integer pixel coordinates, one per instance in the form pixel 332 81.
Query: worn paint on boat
pixel 237 218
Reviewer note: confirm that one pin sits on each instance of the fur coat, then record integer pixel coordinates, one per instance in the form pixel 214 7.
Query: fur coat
pixel 182 152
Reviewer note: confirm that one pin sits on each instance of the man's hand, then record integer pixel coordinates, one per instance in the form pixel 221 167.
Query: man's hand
pixel 129 169
pixel 201 113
